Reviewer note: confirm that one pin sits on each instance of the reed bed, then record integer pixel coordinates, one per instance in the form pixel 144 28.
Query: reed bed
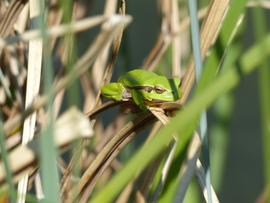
pixel 62 141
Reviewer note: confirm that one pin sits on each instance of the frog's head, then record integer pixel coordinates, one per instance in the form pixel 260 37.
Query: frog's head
pixel 162 90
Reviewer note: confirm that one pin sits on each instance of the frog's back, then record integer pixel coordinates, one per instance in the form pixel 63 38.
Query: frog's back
pixel 137 77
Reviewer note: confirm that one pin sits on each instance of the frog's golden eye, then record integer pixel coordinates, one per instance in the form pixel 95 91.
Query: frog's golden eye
pixel 159 89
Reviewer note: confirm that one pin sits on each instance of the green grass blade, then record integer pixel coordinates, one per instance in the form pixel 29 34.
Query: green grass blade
pixel 48 152
pixel 236 9
pixel 202 100
pixel 196 44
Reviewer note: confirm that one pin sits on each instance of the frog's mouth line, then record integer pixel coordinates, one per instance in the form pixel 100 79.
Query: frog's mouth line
pixel 158 100
pixel 153 102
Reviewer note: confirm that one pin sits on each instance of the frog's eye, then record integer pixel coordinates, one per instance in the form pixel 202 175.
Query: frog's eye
pixel 159 89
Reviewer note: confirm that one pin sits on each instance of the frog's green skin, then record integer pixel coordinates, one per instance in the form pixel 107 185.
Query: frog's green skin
pixel 146 88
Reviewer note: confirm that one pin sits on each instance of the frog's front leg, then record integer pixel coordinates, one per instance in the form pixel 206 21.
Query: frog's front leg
pixel 116 91
pixel 138 99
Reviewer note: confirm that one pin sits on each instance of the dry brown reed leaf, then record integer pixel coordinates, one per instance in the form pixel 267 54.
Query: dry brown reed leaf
pixel 109 152
pixel 33 73
pixel 168 36
pixel 14 9
pixel 56 31
pixel 209 32
pixel 100 62
pixel 200 174
pixel 72 124
pixel 115 50
pixel 105 106
pixel 22 21
pixel 32 88
pixel 98 78
pixel 176 40
pixel 18 162
pixel 111 129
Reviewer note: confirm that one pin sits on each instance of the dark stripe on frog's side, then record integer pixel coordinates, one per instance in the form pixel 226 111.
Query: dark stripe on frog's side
pixel 146 88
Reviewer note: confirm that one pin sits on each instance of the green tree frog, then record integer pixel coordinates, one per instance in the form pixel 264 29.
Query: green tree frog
pixel 145 88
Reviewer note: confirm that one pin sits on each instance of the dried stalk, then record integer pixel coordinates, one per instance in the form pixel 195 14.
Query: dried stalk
pixel 10 17
pixel 80 67
pixel 109 152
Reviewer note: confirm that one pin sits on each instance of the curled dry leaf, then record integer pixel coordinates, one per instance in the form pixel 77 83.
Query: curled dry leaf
pixel 70 126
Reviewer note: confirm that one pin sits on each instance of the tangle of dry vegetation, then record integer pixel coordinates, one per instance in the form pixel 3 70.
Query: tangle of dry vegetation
pixel 24 45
